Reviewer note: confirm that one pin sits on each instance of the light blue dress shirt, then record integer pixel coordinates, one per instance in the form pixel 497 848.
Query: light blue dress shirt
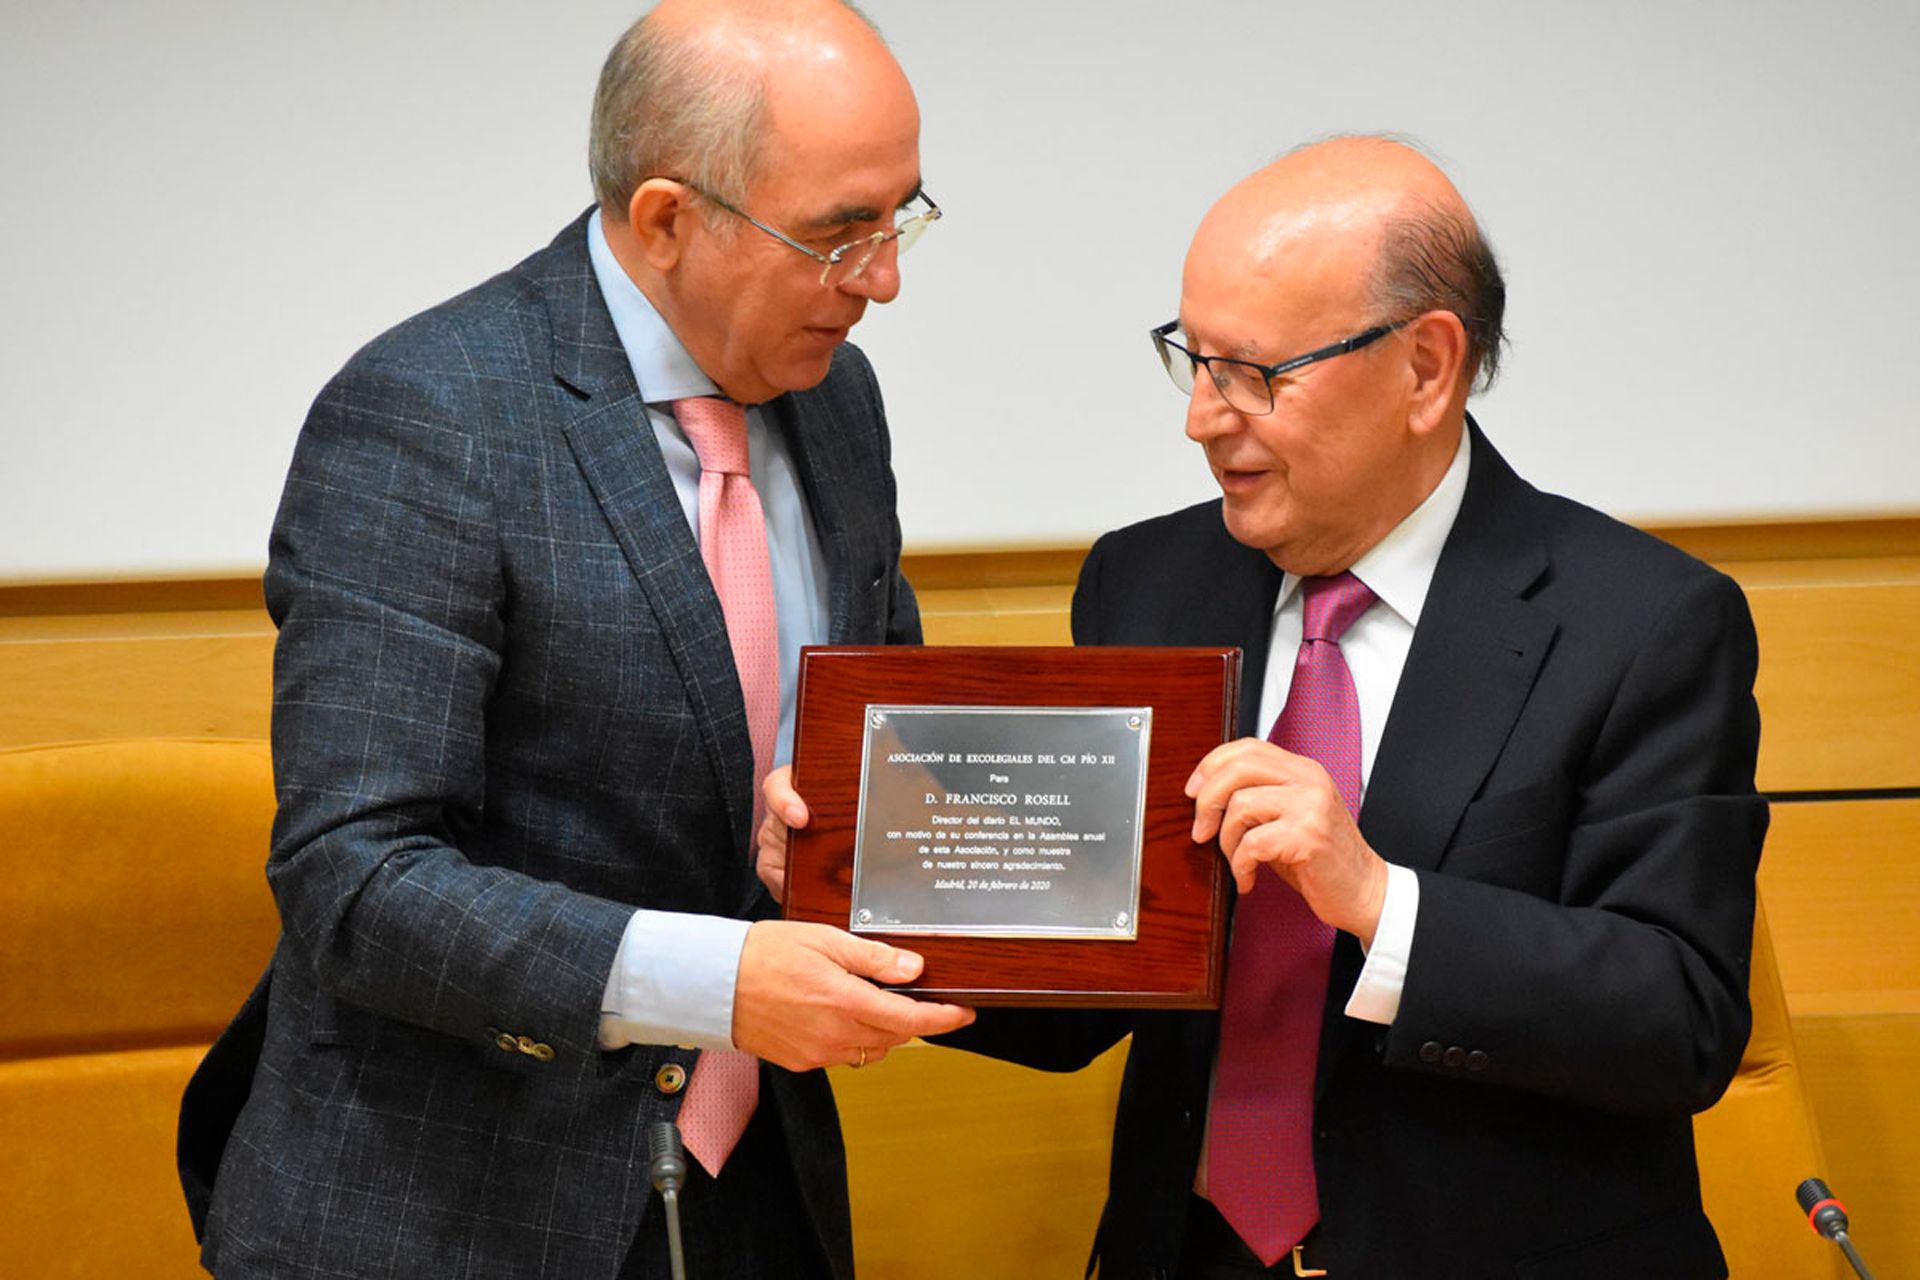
pixel 673 977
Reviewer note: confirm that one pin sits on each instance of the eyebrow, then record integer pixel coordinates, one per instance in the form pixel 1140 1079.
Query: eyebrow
pixel 1244 351
pixel 846 215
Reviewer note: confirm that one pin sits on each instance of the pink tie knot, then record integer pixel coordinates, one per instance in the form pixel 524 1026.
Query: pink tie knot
pixel 1334 604
pixel 717 430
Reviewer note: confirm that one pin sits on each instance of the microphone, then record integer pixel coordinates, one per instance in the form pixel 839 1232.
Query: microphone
pixel 1828 1217
pixel 667 1166
pixel 666 1160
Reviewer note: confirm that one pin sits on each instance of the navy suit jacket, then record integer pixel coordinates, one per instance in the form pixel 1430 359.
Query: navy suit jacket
pixel 1568 767
pixel 505 713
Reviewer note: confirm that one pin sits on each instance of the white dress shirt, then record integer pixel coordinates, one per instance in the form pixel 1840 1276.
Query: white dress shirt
pixel 1399 570
pixel 673 977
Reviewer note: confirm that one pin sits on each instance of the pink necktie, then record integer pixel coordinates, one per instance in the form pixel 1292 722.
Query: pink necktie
pixel 725 1086
pixel 1260 1128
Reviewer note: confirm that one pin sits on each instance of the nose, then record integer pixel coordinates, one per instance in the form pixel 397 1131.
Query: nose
pixel 1209 416
pixel 880 282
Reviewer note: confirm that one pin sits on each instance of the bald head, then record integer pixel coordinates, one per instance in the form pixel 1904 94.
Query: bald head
pixel 696 89
pixel 1382 218
pixel 1359 253
pixel 1344 188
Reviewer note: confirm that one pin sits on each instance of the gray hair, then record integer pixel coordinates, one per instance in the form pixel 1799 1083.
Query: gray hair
pixel 672 107
pixel 1433 259
pixel 672 104
pixel 1436 260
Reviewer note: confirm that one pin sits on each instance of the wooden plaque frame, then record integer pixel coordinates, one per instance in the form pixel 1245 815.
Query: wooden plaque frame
pixel 1177 958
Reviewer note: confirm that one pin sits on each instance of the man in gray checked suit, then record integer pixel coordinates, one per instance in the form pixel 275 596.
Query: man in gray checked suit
pixel 511 744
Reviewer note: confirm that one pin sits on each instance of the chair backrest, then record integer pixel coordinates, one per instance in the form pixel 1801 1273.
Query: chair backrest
pixel 137 918
pixel 132 874
pixel 1758 1142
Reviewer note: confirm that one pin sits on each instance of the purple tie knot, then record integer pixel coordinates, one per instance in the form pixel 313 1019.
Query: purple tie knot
pixel 1333 604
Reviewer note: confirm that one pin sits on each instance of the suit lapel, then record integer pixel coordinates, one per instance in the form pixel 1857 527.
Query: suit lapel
pixel 1254 595
pixel 1227 600
pixel 817 446
pixel 1476 652
pixel 1229 603
pixel 614 446
pixel 1474 658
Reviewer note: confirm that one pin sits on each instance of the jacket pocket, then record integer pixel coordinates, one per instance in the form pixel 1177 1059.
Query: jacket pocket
pixel 1679 1246
pixel 1516 839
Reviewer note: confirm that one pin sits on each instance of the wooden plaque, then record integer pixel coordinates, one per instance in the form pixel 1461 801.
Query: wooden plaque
pixel 1168 952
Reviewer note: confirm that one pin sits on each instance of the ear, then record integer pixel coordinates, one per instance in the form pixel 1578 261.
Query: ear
pixel 659 216
pixel 1437 361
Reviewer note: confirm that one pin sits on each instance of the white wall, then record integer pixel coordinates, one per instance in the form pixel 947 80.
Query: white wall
pixel 1706 213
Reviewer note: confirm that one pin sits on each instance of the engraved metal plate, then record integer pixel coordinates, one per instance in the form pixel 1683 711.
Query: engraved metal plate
pixel 1007 822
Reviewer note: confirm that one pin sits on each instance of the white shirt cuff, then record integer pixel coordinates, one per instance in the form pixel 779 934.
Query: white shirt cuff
pixel 672 981
pixel 1376 996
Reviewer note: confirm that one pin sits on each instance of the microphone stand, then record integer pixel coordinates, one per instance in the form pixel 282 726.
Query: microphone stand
pixel 668 1166
pixel 1828 1217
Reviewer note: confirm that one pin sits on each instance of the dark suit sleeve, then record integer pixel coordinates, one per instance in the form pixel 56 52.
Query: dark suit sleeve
pixel 385 580
pixel 1624 987
pixel 1086 596
pixel 903 611
pixel 903 608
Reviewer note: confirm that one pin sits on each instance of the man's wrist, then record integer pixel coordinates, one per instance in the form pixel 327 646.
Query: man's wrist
pixel 673 980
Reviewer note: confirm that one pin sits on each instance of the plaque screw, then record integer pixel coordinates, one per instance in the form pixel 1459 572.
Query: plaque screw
pixel 865 916
pixel 1133 722
pixel 1120 919
pixel 877 719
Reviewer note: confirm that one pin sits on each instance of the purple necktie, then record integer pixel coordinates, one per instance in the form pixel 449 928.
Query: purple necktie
pixel 1259 1170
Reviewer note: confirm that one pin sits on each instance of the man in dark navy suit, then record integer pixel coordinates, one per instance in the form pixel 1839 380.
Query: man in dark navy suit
pixel 545 559
pixel 1497 831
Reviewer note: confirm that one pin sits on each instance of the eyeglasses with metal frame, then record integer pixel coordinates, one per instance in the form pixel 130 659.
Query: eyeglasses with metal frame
pixel 850 260
pixel 1244 384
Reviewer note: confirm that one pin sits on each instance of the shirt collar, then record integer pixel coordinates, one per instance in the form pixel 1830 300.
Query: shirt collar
pixel 1399 568
pixel 660 363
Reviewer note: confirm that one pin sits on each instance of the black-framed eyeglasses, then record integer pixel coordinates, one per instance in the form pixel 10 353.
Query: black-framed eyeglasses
pixel 850 260
pixel 1245 385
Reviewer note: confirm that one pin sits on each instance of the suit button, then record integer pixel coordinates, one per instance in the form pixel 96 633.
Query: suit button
pixel 503 1041
pixel 1453 1057
pixel 1430 1051
pixel 671 1078
pixel 1477 1061
pixel 541 1052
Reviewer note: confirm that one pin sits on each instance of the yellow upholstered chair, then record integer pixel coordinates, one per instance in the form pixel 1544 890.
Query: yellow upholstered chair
pixel 1005 1137
pixel 137 917
pixel 1759 1141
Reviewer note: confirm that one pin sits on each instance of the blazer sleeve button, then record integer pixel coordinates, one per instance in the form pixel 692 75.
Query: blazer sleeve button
pixel 1430 1051
pixel 503 1041
pixel 543 1052
pixel 1477 1060
pixel 671 1078
pixel 1454 1056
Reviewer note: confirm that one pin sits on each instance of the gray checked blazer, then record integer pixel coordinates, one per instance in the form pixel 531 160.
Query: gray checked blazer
pixel 505 713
